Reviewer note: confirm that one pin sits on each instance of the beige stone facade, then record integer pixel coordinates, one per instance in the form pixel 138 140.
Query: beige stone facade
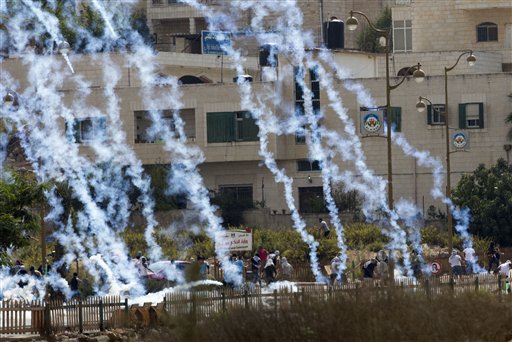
pixel 440 31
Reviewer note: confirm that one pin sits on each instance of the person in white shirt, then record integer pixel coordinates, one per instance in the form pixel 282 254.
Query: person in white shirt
pixel 286 269
pixel 335 269
pixel 470 259
pixel 505 268
pixel 456 263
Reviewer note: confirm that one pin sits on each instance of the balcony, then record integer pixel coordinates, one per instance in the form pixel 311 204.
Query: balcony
pixel 479 4
pixel 176 2
pixel 170 9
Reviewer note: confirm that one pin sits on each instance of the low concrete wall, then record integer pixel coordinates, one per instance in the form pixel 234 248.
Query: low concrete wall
pixel 265 218
pixel 258 218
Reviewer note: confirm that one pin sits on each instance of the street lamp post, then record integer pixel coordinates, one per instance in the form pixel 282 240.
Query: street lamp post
pixel 421 106
pixel 418 74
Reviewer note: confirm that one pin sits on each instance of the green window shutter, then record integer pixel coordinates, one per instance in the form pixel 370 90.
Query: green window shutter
pixel 396 118
pixel 429 114
pixel 481 114
pixel 299 75
pixel 462 115
pixel 76 131
pixel 220 127
pixel 250 129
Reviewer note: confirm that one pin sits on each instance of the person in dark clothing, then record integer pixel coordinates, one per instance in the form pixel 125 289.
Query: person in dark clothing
pixel 22 272
pixel 324 227
pixel 255 268
pixel 74 285
pixel 369 268
pixel 270 271
pixel 492 257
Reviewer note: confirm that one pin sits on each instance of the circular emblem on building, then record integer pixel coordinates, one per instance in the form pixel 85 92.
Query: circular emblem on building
pixel 460 140
pixel 372 123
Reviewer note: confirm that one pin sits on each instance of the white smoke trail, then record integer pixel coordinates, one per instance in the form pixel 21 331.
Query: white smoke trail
pixel 184 159
pixel 462 216
pixel 107 18
pixel 45 137
pixel 217 22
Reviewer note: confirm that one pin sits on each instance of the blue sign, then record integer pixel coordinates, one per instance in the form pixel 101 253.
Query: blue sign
pixel 215 42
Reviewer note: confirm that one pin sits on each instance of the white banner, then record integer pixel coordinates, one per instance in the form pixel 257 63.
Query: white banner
pixel 235 240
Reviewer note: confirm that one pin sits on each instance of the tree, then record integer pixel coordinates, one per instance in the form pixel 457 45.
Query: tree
pixel 368 39
pixel 488 194
pixel 18 195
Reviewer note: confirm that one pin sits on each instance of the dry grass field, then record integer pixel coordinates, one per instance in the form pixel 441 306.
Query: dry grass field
pixel 395 316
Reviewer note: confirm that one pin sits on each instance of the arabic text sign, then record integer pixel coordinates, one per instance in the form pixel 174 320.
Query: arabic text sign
pixel 235 240
pixel 215 43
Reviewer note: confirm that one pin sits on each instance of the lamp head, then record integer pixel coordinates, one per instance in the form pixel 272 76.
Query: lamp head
pixel 64 48
pixel 420 105
pixel 418 74
pixel 351 23
pixel 471 59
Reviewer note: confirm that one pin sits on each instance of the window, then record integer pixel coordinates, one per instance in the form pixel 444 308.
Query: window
pixel 396 117
pixel 471 115
pixel 231 126
pixel 311 200
pixel 242 194
pixel 143 122
pixel 307 165
pixel 487 32
pixel 402 35
pixel 299 98
pixel 86 130
pixel 435 114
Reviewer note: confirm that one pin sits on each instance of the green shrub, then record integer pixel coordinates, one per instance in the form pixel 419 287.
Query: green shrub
pixel 361 235
pixel 433 237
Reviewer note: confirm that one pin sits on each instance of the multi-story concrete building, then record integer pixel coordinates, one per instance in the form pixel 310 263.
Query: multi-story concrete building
pixel 480 97
pixel 433 34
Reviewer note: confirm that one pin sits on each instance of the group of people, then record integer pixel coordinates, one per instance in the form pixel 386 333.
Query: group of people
pixel 466 262
pixel 19 269
pixel 269 266
pixel 463 264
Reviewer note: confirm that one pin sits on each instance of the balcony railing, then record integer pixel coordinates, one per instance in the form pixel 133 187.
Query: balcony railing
pixel 176 2
pixel 479 4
